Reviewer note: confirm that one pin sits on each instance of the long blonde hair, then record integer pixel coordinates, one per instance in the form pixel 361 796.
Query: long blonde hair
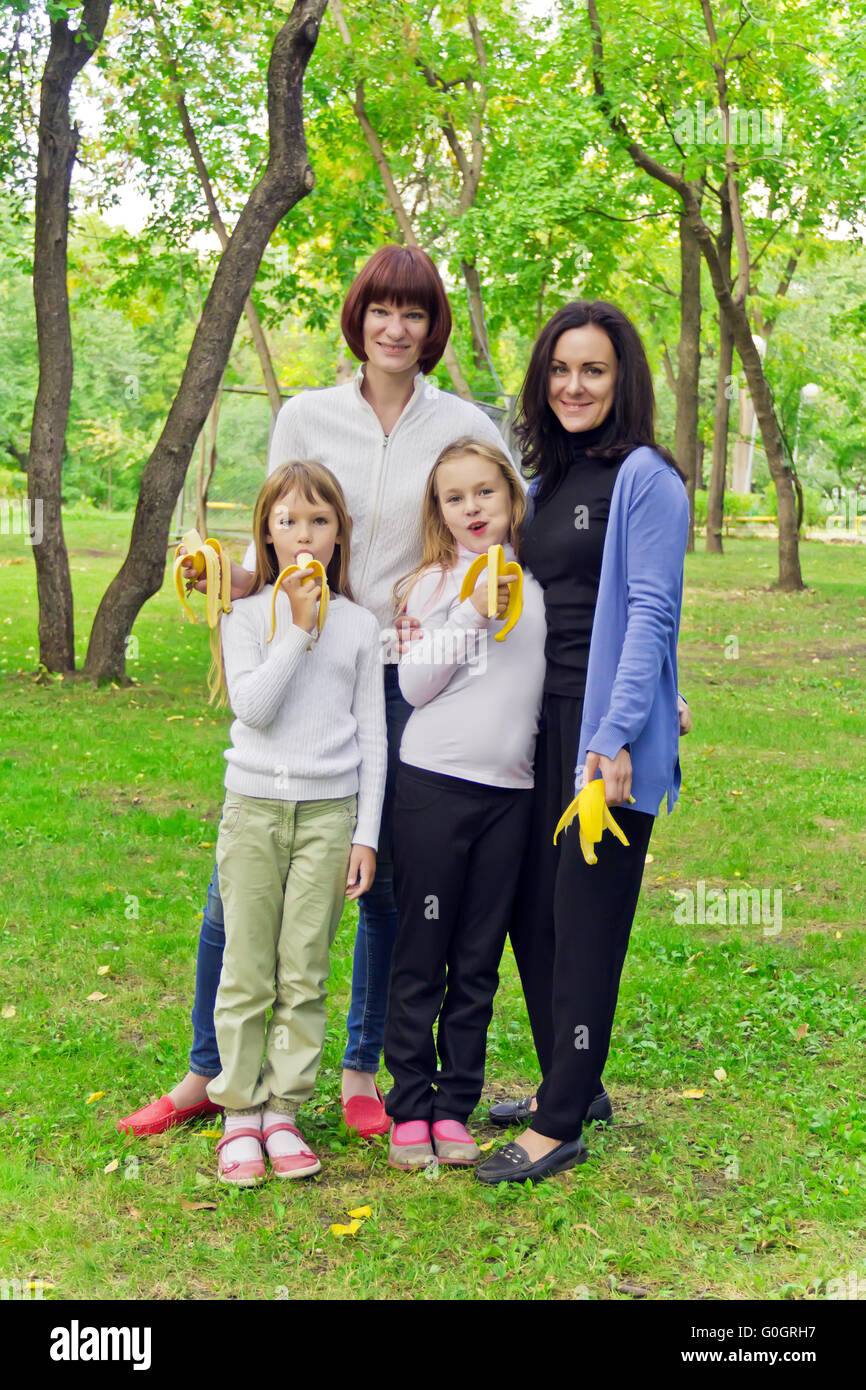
pixel 440 547
pixel 315 483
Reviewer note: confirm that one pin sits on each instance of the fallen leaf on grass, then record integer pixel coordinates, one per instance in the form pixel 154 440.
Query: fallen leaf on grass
pixel 361 1213
pixel 350 1230
pixel 802 1030
pixel 171 718
pixel 103 970
pixel 9 1009
pixel 579 1226
pixel 692 1095
pixel 485 1147
pixel 650 859
pixel 134 1213
pixel 95 1095
pixel 720 1074
pixel 110 1167
pixel 211 1133
pixel 197 1206
pixel 96 997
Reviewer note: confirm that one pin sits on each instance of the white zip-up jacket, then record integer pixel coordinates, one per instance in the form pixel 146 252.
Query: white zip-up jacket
pixel 383 477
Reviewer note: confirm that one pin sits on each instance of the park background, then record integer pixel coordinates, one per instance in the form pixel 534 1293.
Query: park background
pixel 522 146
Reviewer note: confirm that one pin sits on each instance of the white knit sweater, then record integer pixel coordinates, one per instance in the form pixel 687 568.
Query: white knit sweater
pixel 383 477
pixel 310 725
pixel 476 700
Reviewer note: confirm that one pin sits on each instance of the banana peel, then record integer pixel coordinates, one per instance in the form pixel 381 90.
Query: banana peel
pixel 594 818
pixel 203 558
pixel 305 562
pixel 494 561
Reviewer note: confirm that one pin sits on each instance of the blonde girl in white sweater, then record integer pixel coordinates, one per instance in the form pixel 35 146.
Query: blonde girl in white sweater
pixel 462 803
pixel 298 834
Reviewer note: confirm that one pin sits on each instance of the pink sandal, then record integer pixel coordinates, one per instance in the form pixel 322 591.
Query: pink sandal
pixel 302 1165
pixel 248 1173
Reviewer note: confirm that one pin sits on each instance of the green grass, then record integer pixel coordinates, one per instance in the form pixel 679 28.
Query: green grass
pixel 752 1190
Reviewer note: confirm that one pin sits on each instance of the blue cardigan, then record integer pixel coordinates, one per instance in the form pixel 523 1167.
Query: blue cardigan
pixel 631 678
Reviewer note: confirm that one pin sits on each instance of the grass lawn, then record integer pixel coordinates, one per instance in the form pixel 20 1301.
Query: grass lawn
pixel 735 1167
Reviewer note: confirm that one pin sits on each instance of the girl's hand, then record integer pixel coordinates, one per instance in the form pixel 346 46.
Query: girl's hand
pixel 408 629
pixel 479 596
pixel 616 773
pixel 362 871
pixel 304 599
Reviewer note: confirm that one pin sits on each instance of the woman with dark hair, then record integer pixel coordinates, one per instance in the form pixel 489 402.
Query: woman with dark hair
pixel 379 434
pixel 606 542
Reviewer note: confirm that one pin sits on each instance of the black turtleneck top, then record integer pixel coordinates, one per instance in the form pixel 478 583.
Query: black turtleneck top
pixel 562 546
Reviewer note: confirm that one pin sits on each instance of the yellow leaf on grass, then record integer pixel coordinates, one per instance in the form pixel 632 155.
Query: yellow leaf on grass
pixel 206 844
pixel 650 859
pixel 802 1030
pixel 692 1095
pixel 361 1213
pixel 110 1167
pixel 720 1074
pixel 96 997
pixel 485 1147
pixel 103 970
pixel 211 1133
pixel 350 1230
pixel 9 1009
pixel 96 1095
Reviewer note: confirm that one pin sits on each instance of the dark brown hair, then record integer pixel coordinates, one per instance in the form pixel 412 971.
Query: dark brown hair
pixel 546 446
pixel 406 275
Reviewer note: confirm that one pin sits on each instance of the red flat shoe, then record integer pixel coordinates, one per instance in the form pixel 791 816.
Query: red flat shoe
pixel 163 1114
pixel 302 1165
pixel 366 1115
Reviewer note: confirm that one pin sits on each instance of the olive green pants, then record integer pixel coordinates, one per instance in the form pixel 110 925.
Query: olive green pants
pixel 282 874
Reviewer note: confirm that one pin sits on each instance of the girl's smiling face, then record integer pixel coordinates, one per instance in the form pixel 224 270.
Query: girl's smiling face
pixel 295 525
pixel 475 502
pixel 582 377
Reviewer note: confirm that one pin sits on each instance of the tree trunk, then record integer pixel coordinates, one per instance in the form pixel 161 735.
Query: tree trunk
pixel 206 466
pixel 287 178
pixel 724 391
pixel 480 345
pixel 58 142
pixel 688 364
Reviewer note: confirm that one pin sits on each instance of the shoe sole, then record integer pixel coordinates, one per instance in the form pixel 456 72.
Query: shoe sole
pixel 241 1182
pixel 299 1172
pixel 411 1167
pixel 525 1120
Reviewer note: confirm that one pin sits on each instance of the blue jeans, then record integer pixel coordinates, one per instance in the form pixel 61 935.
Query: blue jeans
pixel 377 929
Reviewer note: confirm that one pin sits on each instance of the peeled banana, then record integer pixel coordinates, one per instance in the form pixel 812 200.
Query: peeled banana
pixel 207 559
pixel 594 818
pixel 305 562
pixel 496 568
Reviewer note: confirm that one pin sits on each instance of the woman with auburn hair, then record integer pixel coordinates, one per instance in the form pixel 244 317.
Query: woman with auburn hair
pixel 379 434
pixel 606 542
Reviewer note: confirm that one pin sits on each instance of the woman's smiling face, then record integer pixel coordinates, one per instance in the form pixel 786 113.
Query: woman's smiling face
pixel 582 377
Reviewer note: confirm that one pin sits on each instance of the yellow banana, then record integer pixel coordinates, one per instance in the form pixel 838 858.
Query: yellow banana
pixel 594 818
pixel 496 568
pixel 207 559
pixel 305 562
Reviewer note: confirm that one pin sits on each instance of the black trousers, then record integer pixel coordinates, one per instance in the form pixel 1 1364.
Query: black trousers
pixel 570 929
pixel 457 851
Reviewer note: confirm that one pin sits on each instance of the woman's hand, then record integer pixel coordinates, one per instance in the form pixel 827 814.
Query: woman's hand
pixel 478 598
pixel 616 773
pixel 407 629
pixel 304 598
pixel 362 871
pixel 685 715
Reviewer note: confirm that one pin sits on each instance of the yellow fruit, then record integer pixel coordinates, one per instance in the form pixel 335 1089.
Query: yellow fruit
pixel 494 560
pixel 204 558
pixel 594 818
pixel 305 562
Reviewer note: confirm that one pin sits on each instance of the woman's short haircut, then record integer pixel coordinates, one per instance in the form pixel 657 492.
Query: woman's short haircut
pixel 406 275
